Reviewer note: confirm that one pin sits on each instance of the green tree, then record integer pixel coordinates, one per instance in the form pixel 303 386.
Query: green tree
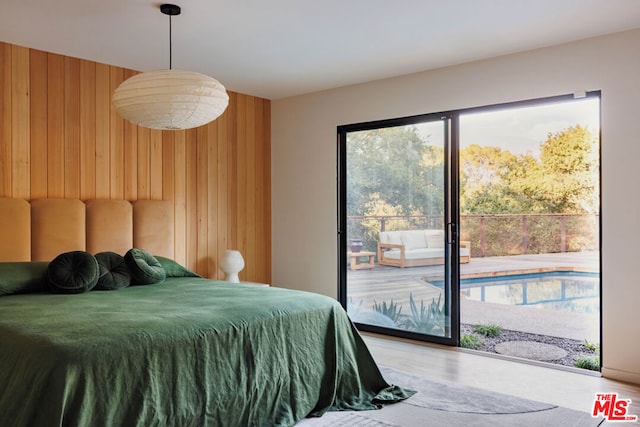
pixel 395 165
pixel 398 172
pixel 490 180
pixel 392 172
pixel 563 180
pixel 570 171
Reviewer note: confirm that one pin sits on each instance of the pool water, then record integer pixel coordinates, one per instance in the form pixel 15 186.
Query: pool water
pixel 571 291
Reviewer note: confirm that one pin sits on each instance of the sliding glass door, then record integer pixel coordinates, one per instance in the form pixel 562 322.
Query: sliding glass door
pixel 483 219
pixel 530 206
pixel 395 215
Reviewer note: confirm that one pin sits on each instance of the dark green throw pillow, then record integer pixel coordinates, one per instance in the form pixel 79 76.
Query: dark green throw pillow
pixel 173 269
pixel 144 267
pixel 114 273
pixel 23 277
pixel 73 272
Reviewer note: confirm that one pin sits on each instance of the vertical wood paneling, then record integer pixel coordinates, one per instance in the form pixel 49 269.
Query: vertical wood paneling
pixel 241 178
pixel 20 123
pixel 192 197
pixel 265 208
pixel 102 135
pixel 6 165
pixel 55 126
pixel 116 140
pixel 72 128
pixel 180 201
pixel 232 189
pixel 130 154
pixel 155 164
pixel 88 129
pixel 249 193
pixel 168 165
pixel 222 200
pixel 144 143
pixel 202 199
pixel 212 199
pixel 260 196
pixel 60 137
pixel 38 61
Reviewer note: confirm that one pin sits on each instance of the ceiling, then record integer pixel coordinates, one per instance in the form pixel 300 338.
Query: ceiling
pixel 280 48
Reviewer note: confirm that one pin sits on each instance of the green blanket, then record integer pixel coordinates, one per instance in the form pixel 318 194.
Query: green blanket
pixel 187 352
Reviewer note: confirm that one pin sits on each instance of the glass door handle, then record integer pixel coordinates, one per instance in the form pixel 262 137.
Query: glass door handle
pixel 451 232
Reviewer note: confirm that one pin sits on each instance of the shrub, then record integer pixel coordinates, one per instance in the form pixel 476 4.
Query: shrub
pixel 470 341
pixel 427 320
pixel 392 311
pixel 590 345
pixel 591 363
pixel 488 330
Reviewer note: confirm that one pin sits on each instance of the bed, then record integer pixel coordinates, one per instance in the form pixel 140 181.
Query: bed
pixel 186 351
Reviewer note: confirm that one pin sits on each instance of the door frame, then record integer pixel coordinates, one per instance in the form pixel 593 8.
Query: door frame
pixel 451 216
pixel 452 211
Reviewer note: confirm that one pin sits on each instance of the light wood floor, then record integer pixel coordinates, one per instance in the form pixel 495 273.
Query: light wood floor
pixel 551 385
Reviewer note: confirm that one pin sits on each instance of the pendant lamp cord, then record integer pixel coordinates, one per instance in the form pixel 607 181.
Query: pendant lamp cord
pixel 170 47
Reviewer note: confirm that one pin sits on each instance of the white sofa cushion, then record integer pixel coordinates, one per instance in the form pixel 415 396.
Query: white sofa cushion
pixel 415 253
pixel 413 239
pixel 392 237
pixel 434 238
pixel 422 253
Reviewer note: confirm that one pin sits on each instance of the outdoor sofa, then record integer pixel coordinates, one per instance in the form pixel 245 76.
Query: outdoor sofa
pixel 411 248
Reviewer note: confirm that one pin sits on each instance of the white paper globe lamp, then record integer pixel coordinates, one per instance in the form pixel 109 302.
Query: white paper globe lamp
pixel 170 99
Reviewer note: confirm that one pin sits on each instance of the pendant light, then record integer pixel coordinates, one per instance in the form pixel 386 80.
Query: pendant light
pixel 170 99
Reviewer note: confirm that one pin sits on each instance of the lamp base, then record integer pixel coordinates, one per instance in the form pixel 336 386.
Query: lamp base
pixel 232 278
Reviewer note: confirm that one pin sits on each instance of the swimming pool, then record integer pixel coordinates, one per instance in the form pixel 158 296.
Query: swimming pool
pixel 572 291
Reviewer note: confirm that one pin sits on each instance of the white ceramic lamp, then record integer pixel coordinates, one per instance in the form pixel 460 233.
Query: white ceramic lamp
pixel 231 263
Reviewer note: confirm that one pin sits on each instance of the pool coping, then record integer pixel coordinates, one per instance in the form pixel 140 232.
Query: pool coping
pixel 485 274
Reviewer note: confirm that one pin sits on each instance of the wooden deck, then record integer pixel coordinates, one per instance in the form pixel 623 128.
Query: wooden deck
pixel 382 283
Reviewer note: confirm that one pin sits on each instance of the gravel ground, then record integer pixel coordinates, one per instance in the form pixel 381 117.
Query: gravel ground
pixel 575 349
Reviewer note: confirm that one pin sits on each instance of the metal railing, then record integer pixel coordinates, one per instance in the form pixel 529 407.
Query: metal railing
pixel 493 234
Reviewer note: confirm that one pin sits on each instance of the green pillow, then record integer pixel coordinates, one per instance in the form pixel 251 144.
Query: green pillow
pixel 114 273
pixel 144 267
pixel 173 269
pixel 73 272
pixel 22 277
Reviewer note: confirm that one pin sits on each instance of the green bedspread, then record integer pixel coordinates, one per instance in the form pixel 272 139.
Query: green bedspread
pixel 187 352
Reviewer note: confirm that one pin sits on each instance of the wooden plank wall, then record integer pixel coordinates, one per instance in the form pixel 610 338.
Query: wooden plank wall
pixel 60 137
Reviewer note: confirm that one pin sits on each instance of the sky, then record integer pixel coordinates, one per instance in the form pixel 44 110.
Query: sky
pixel 522 130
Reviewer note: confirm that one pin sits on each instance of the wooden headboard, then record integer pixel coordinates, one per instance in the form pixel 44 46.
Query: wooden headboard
pixel 41 229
